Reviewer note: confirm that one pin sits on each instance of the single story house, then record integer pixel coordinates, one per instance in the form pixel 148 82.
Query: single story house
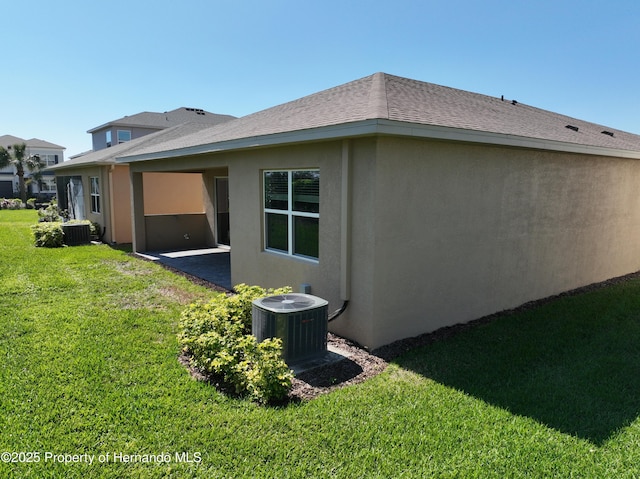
pixel 91 186
pixel 94 187
pixel 421 205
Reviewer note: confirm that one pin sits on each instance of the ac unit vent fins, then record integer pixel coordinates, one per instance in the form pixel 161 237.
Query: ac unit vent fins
pixel 299 320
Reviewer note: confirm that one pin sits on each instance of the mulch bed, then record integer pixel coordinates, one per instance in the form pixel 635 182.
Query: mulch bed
pixel 363 364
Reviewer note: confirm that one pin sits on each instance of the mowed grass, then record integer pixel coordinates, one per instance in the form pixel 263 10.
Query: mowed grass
pixel 88 365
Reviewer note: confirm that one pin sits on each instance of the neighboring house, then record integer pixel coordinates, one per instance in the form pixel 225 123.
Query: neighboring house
pixel 135 126
pixel 421 205
pixel 49 153
pixel 91 186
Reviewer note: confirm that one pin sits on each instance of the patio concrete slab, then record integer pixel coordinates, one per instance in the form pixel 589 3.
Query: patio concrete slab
pixel 210 264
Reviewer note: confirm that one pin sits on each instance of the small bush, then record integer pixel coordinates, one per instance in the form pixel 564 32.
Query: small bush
pixel 217 336
pixel 96 230
pixel 31 203
pixel 48 235
pixel 52 213
pixel 267 376
pixel 11 204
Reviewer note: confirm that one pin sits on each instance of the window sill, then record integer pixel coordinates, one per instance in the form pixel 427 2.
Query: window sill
pixel 304 259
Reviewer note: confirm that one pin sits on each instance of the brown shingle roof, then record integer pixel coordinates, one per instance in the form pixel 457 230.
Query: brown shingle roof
pixel 408 102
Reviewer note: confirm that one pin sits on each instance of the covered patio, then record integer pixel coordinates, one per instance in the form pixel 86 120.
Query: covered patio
pixel 210 264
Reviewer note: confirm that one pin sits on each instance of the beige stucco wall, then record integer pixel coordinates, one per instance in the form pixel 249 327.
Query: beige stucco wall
pixel 440 232
pixel 462 231
pixel 120 194
pixel 85 173
pixel 173 193
pixel 250 263
pixel 165 194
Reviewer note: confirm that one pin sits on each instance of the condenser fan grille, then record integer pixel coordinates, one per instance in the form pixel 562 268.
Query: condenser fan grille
pixel 283 303
pixel 287 303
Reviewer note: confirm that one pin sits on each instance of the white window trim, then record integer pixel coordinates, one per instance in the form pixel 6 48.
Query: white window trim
pixel 48 185
pixel 48 159
pixel 289 212
pixel 95 195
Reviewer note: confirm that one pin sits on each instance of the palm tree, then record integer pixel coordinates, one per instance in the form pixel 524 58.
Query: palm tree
pixel 21 162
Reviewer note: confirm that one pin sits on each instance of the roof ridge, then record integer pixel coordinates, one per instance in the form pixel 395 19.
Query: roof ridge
pixel 378 103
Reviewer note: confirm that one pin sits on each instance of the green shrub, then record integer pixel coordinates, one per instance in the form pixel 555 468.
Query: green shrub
pixel 267 376
pixel 96 230
pixel 217 336
pixel 48 235
pixel 51 214
pixel 31 203
pixel 11 204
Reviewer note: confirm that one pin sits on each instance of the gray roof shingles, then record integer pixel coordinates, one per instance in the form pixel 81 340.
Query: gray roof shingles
pixel 108 155
pixel 149 119
pixel 9 140
pixel 387 97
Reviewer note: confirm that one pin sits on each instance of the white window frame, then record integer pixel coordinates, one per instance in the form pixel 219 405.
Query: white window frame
pixel 290 213
pixel 47 185
pixel 48 159
pixel 95 195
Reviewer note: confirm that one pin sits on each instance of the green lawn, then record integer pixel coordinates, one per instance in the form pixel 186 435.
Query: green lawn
pixel 88 359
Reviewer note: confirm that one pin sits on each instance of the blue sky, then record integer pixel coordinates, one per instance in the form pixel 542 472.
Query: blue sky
pixel 69 66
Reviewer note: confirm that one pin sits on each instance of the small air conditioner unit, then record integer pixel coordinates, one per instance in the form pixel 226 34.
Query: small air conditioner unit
pixel 300 320
pixel 76 233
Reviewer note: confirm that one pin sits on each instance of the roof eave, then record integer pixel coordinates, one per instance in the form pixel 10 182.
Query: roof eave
pixel 346 130
pixel 383 127
pixel 476 136
pixel 67 165
pixel 132 124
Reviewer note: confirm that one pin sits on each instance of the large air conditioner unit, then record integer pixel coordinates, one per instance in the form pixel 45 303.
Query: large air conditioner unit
pixel 300 320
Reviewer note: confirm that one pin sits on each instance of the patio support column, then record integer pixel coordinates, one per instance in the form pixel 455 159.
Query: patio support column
pixel 209 209
pixel 137 213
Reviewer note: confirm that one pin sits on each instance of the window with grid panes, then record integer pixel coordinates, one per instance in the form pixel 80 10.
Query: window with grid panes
pixel 292 212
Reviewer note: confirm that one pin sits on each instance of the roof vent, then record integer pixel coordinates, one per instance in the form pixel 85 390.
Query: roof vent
pixel 609 133
pixel 513 102
pixel 571 127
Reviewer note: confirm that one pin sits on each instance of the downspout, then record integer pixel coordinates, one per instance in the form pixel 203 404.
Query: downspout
pixel 345 231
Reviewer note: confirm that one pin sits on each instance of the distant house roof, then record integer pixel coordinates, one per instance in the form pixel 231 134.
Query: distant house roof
pixel 387 104
pixel 107 156
pixel 153 120
pixel 9 140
